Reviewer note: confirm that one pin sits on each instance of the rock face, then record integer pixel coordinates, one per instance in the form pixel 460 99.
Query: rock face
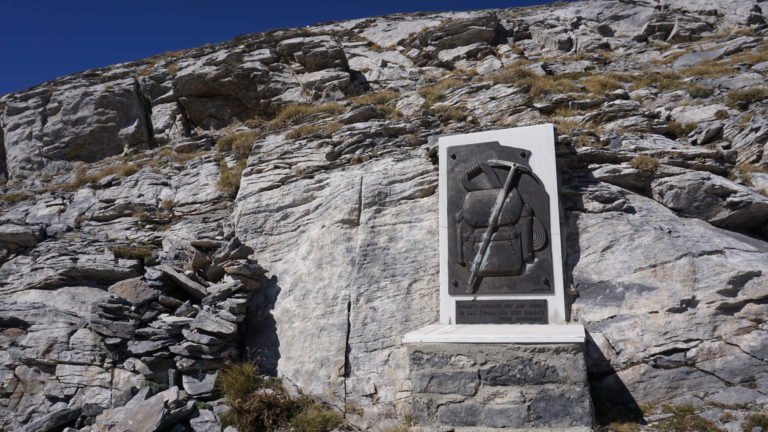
pixel 136 199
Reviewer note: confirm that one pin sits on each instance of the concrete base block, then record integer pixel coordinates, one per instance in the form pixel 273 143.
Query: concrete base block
pixel 468 387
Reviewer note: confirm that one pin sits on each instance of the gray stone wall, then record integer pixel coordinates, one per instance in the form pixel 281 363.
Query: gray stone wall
pixel 464 387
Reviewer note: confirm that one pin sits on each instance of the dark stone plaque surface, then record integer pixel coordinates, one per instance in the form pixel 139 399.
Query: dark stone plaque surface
pixel 501 312
pixel 498 222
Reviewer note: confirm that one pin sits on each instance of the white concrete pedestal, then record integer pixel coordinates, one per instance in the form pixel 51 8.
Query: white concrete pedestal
pixel 498 333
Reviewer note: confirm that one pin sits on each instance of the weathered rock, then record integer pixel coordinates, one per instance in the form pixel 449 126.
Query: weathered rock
pixel 652 294
pixel 147 414
pixel 53 420
pixel 314 53
pixel 210 323
pixel 671 302
pixel 204 421
pixel 712 198
pixel 359 113
pixel 700 114
pixel 200 384
pixel 194 289
pixel 457 33
pixel 134 290
pixel 79 119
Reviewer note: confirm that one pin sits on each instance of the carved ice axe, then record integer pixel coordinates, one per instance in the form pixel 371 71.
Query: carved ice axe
pixel 493 221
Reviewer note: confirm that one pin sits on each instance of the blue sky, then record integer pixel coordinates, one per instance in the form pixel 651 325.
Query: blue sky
pixel 43 39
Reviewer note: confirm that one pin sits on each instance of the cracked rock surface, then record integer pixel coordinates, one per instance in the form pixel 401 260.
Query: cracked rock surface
pixel 137 200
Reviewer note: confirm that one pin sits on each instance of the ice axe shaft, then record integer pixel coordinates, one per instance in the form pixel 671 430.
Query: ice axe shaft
pixel 492 222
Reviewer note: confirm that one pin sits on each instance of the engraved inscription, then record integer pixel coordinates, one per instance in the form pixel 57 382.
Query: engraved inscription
pixel 502 312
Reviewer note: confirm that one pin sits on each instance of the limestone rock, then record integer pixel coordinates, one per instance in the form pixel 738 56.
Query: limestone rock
pixel 314 53
pixel 78 120
pixel 134 290
pixel 712 198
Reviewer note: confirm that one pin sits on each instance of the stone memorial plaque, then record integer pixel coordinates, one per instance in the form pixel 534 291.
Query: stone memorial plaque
pixel 500 241
pixel 498 222
pixel 502 312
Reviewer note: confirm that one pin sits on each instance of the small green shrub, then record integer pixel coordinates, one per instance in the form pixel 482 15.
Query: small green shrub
pixel 621 427
pixel 238 380
pixel 315 418
pixel 699 91
pixel 683 419
pixel 260 404
pixel 742 99
pixel 200 405
pixel 645 163
pixel 154 387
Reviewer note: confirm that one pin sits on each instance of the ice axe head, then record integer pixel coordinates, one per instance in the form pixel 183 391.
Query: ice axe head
pixel 511 165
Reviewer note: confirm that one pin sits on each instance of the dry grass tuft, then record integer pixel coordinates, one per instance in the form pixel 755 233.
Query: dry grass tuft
pixel 644 163
pixel 229 177
pixel 293 115
pixel 599 85
pixel 684 418
pixel 742 99
pixel 451 113
pixel 308 129
pixel 83 177
pixel 377 98
pixel 132 252
pixel 435 93
pixel 239 143
pixel 709 69
pixel 677 130
pixel 14 197
pixel 539 86
pixel 621 427
pixel 260 404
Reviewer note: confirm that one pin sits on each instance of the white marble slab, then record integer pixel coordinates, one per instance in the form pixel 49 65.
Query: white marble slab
pixel 497 333
pixel 540 140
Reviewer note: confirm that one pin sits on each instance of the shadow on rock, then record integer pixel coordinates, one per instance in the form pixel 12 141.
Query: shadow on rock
pixel 261 342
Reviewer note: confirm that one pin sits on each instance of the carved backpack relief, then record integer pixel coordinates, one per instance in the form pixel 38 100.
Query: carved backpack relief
pixel 500 222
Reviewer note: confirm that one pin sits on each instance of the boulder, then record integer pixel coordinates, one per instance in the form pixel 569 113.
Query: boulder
pixel 14 236
pixel 712 198
pixel 315 53
pixel 359 113
pixel 457 33
pixel 76 119
pixel 194 289
pixel 134 290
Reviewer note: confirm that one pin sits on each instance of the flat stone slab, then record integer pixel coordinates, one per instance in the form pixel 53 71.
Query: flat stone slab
pixel 497 333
